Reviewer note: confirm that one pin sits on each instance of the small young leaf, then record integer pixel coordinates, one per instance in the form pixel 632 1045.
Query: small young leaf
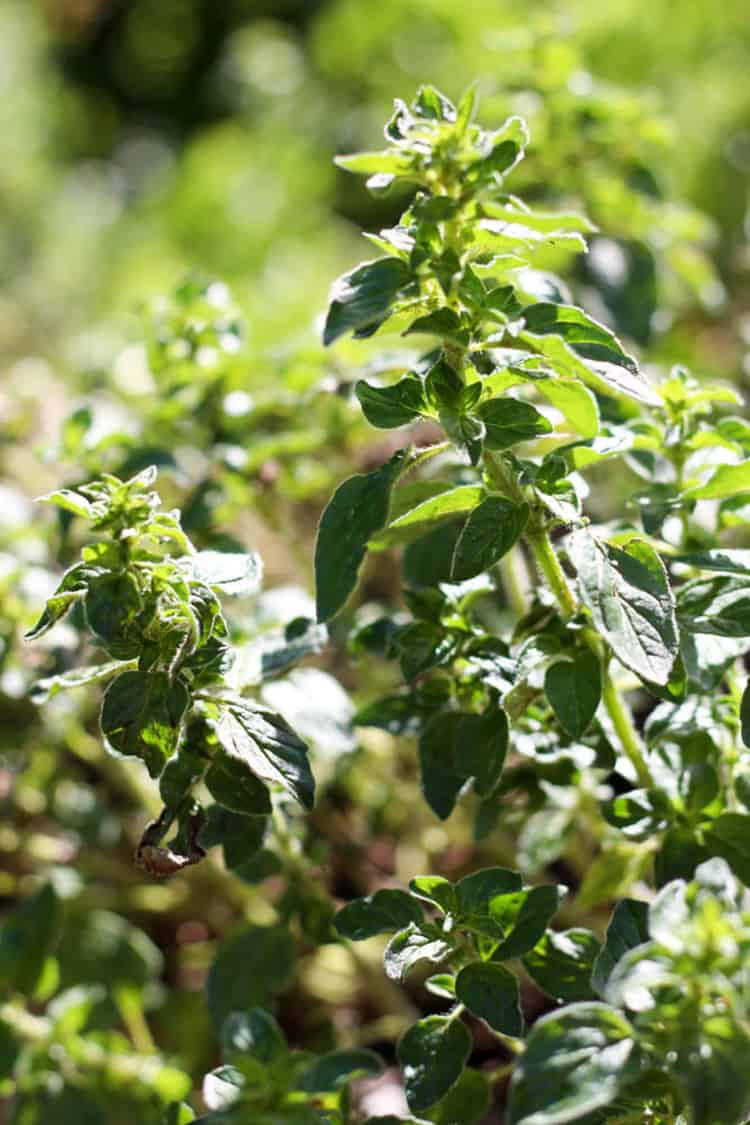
pixel 408 947
pixel 576 1061
pixel 72 589
pixel 491 992
pixel 142 715
pixel 574 688
pixel 492 528
pixel 357 511
pixel 432 1055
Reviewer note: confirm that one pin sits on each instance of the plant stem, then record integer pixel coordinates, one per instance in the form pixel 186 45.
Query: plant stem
pixel 626 732
pixel 515 580
pixel 549 564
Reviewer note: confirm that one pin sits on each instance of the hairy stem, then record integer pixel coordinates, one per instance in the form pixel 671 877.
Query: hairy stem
pixel 550 566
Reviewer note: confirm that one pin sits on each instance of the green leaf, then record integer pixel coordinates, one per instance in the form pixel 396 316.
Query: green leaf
pixel 508 420
pixel 720 606
pixel 728 836
pixel 142 715
pixel 237 574
pixel 410 946
pixel 44 690
pixel 390 407
pixel 101 948
pixel 453 502
pixel 455 747
pixel 727 480
pixel 27 937
pixel 432 1055
pixel 574 689
pixel 466 1102
pixel 435 889
pixel 489 533
pixel 580 331
pixel 72 589
pixel 248 969
pixel 357 511
pixel 575 402
pixel 561 963
pixel 364 296
pixel 523 917
pixel 267 746
pixel 606 378
pixel 628 594
pixel 254 1033
pixel 179 1113
pixel 336 1069
pixel 231 782
pixel 443 322
pixel 68 501
pixel 724 560
pixel 382 912
pixel 491 992
pixel 627 929
pixel 475 892
pixel 576 1061
pixel 390 162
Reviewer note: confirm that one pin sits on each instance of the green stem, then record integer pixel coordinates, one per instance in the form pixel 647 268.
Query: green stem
pixel 515 580
pixel 550 567
pixel 626 732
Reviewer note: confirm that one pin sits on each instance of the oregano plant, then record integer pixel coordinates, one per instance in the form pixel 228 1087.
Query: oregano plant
pixel 567 663
pixel 561 662
pixel 150 601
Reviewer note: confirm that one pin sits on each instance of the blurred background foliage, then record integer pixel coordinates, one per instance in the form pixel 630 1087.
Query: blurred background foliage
pixel 149 141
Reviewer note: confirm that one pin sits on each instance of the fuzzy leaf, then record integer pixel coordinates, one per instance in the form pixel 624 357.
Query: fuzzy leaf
pixel 142 715
pixel 357 511
pixel 628 595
